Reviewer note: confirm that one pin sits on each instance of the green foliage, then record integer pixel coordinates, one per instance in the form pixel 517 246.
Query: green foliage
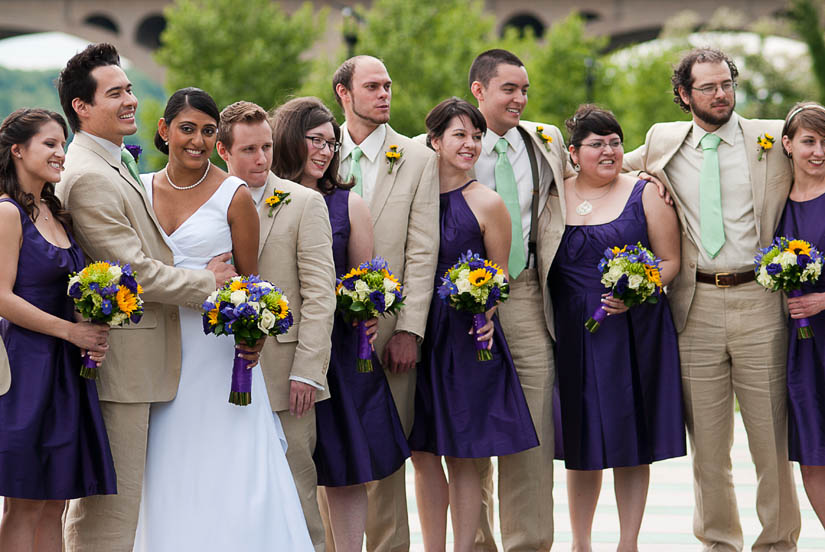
pixel 805 16
pixel 237 52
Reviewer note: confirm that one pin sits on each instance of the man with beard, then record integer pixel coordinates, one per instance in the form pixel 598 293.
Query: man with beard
pixel 398 179
pixel 729 192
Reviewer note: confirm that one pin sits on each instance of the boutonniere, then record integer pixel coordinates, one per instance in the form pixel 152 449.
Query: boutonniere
pixel 546 138
pixel 393 155
pixel 765 142
pixel 278 197
pixel 134 150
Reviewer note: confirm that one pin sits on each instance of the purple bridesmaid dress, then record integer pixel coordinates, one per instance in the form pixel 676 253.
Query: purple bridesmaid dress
pixel 53 444
pixel 618 397
pixel 806 357
pixel 465 408
pixel 360 437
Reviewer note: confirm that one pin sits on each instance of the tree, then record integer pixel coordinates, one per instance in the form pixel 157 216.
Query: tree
pixel 805 16
pixel 250 51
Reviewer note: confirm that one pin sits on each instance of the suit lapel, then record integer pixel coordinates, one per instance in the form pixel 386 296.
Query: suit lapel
pixel 263 211
pixel 660 152
pixel 555 158
pixel 758 169
pixel 385 181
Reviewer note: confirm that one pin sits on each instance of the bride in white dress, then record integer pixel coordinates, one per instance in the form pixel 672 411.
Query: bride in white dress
pixel 216 475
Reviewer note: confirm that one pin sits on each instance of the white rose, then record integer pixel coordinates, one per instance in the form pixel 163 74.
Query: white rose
pixel 267 320
pixel 361 286
pixel 237 297
pixel 115 272
pixel 72 281
pixel 255 305
pixel 499 278
pixel 634 280
pixel 213 297
pixel 614 273
pixel 389 285
pixel 389 299
pixel 463 285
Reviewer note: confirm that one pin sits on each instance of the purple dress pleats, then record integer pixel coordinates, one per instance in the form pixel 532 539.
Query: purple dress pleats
pixel 465 408
pixel 806 357
pixel 360 437
pixel 618 396
pixel 53 444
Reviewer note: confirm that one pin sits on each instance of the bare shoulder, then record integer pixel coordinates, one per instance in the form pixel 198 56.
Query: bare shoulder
pixel 10 222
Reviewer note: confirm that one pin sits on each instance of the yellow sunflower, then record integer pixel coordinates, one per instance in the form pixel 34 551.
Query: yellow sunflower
pixel 236 285
pixel 126 300
pixel 213 317
pixel 799 246
pixel 480 276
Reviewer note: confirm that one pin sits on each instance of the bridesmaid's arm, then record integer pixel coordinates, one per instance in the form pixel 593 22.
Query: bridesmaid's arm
pixel 663 232
pixel 245 227
pixel 20 312
pixel 359 248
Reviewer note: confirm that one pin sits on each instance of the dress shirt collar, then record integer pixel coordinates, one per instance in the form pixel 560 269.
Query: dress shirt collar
pixel 111 148
pixel 257 193
pixel 490 139
pixel 371 146
pixel 726 132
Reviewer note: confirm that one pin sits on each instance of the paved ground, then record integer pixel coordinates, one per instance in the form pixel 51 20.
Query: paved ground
pixel 667 525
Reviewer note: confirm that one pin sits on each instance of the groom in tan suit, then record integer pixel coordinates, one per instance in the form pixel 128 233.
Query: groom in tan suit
pixel 113 220
pixel 499 82
pixel 732 334
pixel 295 253
pixel 403 199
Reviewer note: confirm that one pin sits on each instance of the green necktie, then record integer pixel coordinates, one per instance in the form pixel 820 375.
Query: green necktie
pixel 130 163
pixel 506 188
pixel 355 171
pixel 711 225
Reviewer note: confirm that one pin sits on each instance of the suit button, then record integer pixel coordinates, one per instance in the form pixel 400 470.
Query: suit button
pixel 173 316
pixel 692 265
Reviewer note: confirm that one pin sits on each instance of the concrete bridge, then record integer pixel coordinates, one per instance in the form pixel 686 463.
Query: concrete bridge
pixel 134 26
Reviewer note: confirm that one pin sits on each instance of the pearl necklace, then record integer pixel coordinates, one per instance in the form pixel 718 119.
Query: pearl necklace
pixel 169 178
pixel 585 207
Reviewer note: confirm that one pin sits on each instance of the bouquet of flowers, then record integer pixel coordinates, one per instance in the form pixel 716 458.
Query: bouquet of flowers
pixel 248 308
pixel 364 293
pixel 632 275
pixel 105 292
pixel 474 285
pixel 785 265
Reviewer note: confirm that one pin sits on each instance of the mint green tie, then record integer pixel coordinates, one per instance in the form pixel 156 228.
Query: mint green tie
pixel 711 225
pixel 506 188
pixel 130 163
pixel 355 170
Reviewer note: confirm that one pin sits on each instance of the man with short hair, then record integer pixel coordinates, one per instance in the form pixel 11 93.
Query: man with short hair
pixel 402 194
pixel 113 219
pixel 525 163
pixel 295 253
pixel 729 195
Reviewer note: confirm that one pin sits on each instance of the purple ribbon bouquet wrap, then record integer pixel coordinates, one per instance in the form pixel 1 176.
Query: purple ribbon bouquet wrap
pixel 249 309
pixel 474 285
pixel 785 265
pixel 631 273
pixel 364 293
pixel 105 292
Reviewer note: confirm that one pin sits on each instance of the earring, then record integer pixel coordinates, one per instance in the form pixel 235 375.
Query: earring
pixel 166 142
pixel 577 167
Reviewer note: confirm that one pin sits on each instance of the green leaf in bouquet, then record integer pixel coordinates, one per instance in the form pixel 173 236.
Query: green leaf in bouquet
pixel 357 306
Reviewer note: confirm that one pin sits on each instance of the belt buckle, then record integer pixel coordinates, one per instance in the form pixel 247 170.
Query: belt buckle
pixel 716 279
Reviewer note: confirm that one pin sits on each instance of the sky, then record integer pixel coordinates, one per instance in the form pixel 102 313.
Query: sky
pixel 41 51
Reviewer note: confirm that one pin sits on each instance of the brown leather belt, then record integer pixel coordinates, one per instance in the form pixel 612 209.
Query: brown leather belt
pixel 726 279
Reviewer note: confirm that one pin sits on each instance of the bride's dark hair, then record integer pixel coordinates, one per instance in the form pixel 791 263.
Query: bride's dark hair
pixel 19 128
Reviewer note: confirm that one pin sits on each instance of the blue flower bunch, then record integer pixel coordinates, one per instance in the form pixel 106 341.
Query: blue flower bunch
pixel 473 284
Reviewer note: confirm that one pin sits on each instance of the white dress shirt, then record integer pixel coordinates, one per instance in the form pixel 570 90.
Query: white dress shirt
pixel 741 239
pixel 372 160
pixel 485 171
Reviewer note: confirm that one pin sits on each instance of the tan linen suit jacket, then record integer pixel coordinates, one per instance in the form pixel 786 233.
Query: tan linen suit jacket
pixel 295 254
pixel 770 178
pixel 113 220
pixel 552 219
pixel 404 208
pixel 5 371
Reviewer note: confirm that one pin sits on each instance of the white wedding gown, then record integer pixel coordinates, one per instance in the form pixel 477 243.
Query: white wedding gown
pixel 216 475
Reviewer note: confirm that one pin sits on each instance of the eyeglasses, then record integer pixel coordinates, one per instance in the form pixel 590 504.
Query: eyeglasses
pixel 710 90
pixel 320 143
pixel 599 144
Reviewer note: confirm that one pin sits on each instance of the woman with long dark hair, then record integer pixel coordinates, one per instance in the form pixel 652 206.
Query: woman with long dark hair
pixel 53 444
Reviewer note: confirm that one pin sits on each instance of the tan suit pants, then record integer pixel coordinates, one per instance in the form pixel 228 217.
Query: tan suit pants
pixel 735 343
pixel 108 523
pixel 525 479
pixel 388 528
pixel 300 437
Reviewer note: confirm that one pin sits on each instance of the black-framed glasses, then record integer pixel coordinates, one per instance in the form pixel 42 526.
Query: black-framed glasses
pixel 600 144
pixel 320 143
pixel 710 90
